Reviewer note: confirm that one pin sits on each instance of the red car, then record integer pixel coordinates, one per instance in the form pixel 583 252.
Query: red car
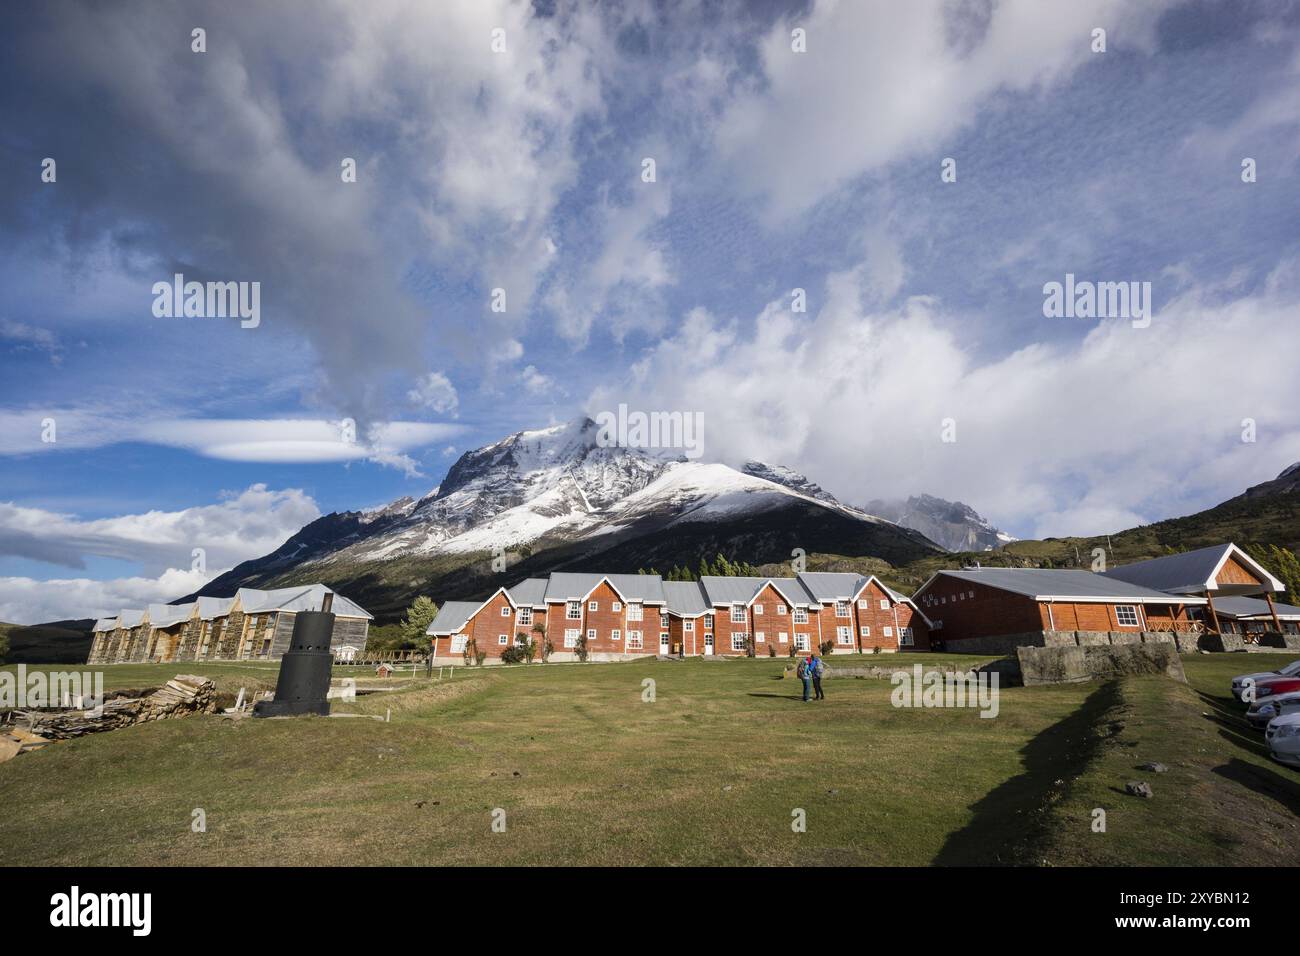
pixel 1275 685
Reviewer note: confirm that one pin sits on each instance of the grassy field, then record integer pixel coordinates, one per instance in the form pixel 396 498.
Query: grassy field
pixel 587 772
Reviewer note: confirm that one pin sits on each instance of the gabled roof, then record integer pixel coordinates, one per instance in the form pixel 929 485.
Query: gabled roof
pixel 210 607
pixel 1052 584
pixel 530 592
pixel 165 615
pixel 130 617
pixel 1191 572
pixel 721 590
pixel 451 617
pixel 105 624
pixel 832 585
pixel 1253 607
pixel 685 598
pixel 576 585
pixel 308 597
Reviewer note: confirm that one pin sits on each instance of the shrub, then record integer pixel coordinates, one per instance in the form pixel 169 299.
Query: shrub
pixel 771 650
pixel 826 647
pixel 515 654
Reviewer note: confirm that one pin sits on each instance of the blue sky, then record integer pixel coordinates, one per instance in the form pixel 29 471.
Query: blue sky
pixel 521 170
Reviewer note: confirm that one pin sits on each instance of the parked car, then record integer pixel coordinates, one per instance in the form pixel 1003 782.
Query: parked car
pixel 1239 682
pixel 1283 737
pixel 1273 686
pixel 1277 705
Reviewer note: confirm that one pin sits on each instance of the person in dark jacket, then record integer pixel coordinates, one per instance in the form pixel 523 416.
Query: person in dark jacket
pixel 817 668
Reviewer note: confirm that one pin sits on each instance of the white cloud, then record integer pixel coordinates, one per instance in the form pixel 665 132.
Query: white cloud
pixel 435 392
pixel 28 601
pixel 883 80
pixel 1057 437
pixel 535 382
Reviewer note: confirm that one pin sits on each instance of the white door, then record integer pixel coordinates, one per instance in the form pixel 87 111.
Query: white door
pixel 708 645
pixel 663 644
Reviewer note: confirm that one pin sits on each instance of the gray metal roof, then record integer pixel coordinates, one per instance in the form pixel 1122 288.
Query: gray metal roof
pixel 1062 584
pixel 831 585
pixel 130 617
pixel 1252 607
pixel 1186 573
pixel 452 616
pixel 530 592
pixel 685 598
pixel 165 615
pixel 720 590
pixel 308 597
pixel 575 585
pixel 105 624
pixel 210 607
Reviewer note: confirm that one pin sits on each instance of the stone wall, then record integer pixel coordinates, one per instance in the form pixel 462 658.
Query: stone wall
pixel 1009 643
pixel 1079 663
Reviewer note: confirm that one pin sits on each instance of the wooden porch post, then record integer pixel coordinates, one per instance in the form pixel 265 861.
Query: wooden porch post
pixel 1214 615
pixel 1272 609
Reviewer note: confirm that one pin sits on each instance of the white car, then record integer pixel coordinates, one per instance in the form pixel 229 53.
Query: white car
pixel 1283 736
pixel 1262 711
pixel 1239 682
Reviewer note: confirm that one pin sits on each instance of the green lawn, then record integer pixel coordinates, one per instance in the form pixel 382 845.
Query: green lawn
pixel 709 773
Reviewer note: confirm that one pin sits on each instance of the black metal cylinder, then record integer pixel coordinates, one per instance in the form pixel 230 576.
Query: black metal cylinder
pixel 305 669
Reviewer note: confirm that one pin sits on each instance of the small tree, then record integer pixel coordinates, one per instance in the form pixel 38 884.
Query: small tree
pixel 545 645
pixel 418 618
pixel 471 652
pixel 580 647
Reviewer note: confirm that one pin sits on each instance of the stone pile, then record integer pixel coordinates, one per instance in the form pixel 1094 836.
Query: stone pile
pixel 183 695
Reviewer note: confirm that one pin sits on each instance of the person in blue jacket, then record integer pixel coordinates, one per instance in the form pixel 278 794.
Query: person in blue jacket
pixel 817 669
pixel 805 670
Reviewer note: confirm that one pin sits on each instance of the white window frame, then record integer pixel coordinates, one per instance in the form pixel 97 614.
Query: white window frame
pixel 458 642
pixel 884 604
pixel 616 606
pixel 525 615
pixel 616 634
pixel 505 610
pixel 571 636
pixel 758 609
pixel 801 642
pixel 801 615
pixel 783 637
pixel 780 609
pixel 688 626
pixel 573 610
pixel 591 634
pixel 905 637
pixel 842 609
pixel 708 639
pixel 634 641
pixel 708 622
pixel 503 640
pixel 887 631
pixel 865 630
pixel 737 614
pixel 738 640
pixel 862 604
pixel 593 605
pixel 844 636
pixel 760 637
pixel 634 612
pixel 1131 609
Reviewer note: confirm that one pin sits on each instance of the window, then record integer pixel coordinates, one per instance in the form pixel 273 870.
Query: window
pixel 617 606
pixel 862 605
pixel 708 622
pixel 663 641
pixel 884 604
pixel 1126 615
pixel 634 640
pixel 688 627
pixel 905 636
pixel 591 634
pixel 458 642
pixel 634 612
pixel 616 635
pixel 759 637
pixel 593 605
pixel 737 614
pixel 738 640
pixel 801 641
pixel 571 637
pixel 865 630
pixel 841 608
pixel 758 609
pixel 503 639
pixel 887 631
pixel 708 640
pixel 573 611
pixel 970 594
pixel 525 615
pixel 780 609
pixel 505 610
pixel 663 620
pixel 801 615
pixel 783 637
pixel 844 635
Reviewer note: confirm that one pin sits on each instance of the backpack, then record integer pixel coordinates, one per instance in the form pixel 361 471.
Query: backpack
pixel 801 672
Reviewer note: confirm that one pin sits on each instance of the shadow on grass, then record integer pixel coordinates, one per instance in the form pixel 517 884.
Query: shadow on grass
pixel 1013 820
pixel 797 695
pixel 1263 780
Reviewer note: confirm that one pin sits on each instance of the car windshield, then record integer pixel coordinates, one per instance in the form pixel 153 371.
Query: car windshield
pixel 1291 670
